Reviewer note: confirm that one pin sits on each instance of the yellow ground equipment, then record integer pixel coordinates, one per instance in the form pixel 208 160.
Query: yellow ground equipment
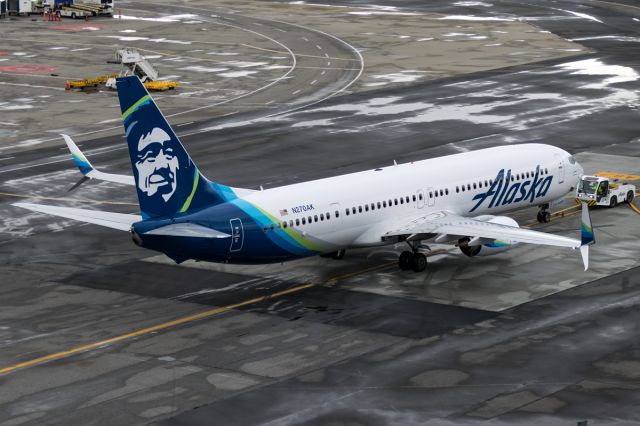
pixel 94 9
pixel 89 82
pixel 159 85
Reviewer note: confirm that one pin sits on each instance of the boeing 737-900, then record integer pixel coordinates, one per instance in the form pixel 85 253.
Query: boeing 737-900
pixel 458 199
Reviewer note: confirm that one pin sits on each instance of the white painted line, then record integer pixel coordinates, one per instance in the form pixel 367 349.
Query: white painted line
pixel 329 63
pixel 305 39
pixel 31 85
pixel 326 55
pixel 258 24
pixel 281 30
pixel 318 46
pixel 225 115
pixel 184 124
pixel 284 76
pixel 323 72
pixel 313 82
pixel 6 158
pixel 65 158
pixel 296 92
pixel 270 102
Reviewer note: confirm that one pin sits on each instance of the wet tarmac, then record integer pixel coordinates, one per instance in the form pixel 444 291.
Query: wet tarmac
pixel 523 337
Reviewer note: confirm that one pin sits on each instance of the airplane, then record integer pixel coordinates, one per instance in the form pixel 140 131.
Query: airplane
pixel 456 199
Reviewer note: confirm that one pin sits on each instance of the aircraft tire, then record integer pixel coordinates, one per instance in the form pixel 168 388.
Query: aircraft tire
pixel 405 259
pixel 544 217
pixel 418 262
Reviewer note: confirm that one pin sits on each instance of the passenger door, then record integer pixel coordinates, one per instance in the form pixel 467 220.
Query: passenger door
pixel 431 200
pixel 419 198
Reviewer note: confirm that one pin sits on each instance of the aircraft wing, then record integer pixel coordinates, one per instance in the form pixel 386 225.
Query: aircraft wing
pixel 120 221
pixel 451 224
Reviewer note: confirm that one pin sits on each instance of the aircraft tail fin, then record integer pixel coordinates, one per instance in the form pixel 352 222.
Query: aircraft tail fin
pixel 586 235
pixel 167 180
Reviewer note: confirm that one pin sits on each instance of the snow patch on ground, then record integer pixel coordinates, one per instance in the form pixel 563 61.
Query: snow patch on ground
pixel 169 18
pixel 234 74
pixel 199 68
pixel 472 4
pixel 406 76
pixel 473 18
pixel 615 73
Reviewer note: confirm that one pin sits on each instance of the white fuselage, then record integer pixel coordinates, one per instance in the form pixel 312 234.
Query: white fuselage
pixel 390 196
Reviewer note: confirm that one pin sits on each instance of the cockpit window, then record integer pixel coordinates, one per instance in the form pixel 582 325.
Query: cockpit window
pixel 572 160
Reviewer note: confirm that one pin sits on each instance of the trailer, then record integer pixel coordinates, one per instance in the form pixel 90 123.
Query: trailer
pixel 600 191
pixel 100 7
pixel 19 7
pixel 72 12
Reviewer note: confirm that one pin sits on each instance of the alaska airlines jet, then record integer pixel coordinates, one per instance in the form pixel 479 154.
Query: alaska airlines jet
pixel 456 199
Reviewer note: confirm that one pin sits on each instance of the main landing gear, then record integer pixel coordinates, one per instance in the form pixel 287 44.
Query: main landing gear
pixel 337 255
pixel 412 259
pixel 543 214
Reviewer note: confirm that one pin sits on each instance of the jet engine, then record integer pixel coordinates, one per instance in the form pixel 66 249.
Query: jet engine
pixel 476 246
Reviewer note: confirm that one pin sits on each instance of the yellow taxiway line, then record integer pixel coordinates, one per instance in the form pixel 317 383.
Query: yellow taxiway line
pixel 217 311
pixel 183 320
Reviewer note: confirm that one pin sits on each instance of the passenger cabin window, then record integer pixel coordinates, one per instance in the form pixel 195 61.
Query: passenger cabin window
pixel 321 217
pixel 395 201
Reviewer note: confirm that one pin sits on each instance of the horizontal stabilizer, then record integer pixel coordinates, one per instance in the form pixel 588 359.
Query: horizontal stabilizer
pixel 89 171
pixel 120 221
pixel 187 230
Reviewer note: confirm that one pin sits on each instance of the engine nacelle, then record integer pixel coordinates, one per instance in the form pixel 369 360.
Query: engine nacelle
pixel 475 246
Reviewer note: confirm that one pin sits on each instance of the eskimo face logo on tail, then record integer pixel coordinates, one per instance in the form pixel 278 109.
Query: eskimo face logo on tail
pixel 503 191
pixel 157 164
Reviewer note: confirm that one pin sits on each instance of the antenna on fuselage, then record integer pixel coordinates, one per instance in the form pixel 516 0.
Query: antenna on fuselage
pixel 394 163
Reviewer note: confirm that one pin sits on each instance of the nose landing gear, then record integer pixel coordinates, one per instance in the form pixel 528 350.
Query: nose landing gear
pixel 543 214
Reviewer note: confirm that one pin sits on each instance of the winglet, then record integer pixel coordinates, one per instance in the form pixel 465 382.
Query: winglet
pixel 586 235
pixel 78 157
